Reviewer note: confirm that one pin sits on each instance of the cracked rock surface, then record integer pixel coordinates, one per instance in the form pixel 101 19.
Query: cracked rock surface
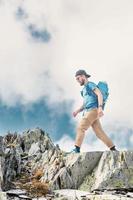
pixel 32 167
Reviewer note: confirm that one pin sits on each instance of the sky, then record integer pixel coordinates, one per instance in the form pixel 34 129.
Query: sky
pixel 43 44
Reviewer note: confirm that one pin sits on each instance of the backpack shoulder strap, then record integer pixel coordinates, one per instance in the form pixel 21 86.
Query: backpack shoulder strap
pixel 89 90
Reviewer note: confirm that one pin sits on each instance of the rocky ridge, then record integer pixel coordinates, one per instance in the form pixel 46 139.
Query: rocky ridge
pixel 32 167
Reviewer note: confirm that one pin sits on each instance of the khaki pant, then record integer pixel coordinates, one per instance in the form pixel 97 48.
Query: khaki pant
pixel 91 119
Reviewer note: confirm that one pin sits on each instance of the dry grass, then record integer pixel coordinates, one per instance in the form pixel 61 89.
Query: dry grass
pixel 35 188
pixel 37 174
pixel 38 188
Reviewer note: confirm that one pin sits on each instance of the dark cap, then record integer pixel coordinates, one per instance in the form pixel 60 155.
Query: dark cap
pixel 82 72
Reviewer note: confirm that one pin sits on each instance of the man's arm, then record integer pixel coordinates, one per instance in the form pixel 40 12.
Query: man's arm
pixel 99 96
pixel 100 101
pixel 78 111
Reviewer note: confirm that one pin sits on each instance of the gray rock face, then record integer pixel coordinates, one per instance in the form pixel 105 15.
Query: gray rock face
pixel 1 171
pixel 77 166
pixel 31 144
pixel 38 138
pixel 12 159
pixel 3 196
pixel 22 155
pixel 69 194
pixel 115 170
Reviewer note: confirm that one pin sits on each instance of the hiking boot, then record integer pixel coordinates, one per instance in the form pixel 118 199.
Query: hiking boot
pixel 113 149
pixel 75 150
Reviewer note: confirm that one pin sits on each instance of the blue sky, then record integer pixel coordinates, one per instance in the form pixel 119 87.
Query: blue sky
pixel 19 119
pixel 43 44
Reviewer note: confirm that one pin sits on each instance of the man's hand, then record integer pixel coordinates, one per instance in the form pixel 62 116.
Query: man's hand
pixel 75 113
pixel 100 112
pixel 78 111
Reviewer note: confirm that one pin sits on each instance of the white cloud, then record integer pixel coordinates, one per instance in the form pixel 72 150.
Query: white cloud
pixel 95 35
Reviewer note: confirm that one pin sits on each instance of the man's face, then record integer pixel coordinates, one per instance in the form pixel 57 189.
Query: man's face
pixel 80 79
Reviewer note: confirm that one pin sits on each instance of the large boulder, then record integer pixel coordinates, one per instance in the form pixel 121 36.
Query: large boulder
pixel 77 167
pixel 114 171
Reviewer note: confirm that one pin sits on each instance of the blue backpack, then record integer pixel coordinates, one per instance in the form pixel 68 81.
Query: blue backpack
pixel 103 87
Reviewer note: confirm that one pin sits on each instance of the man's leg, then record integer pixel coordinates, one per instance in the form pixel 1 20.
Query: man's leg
pixel 101 134
pixel 84 124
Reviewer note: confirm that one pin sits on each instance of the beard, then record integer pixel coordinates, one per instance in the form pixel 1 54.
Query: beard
pixel 82 82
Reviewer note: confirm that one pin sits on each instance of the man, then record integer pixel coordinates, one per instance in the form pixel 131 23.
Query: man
pixel 93 110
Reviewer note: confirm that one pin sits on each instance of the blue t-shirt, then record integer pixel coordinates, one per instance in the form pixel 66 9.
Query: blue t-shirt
pixel 90 98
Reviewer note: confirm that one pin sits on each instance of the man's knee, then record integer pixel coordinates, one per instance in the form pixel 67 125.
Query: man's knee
pixel 81 128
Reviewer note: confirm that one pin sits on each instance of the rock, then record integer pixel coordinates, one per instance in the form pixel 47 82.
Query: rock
pixel 77 166
pixel 82 195
pixel 1 146
pixel 3 196
pixel 12 166
pixel 32 159
pixel 25 197
pixel 129 194
pixel 34 149
pixel 82 164
pixel 1 171
pixel 40 198
pixel 71 193
pixel 36 136
pixel 16 192
pixel 115 170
